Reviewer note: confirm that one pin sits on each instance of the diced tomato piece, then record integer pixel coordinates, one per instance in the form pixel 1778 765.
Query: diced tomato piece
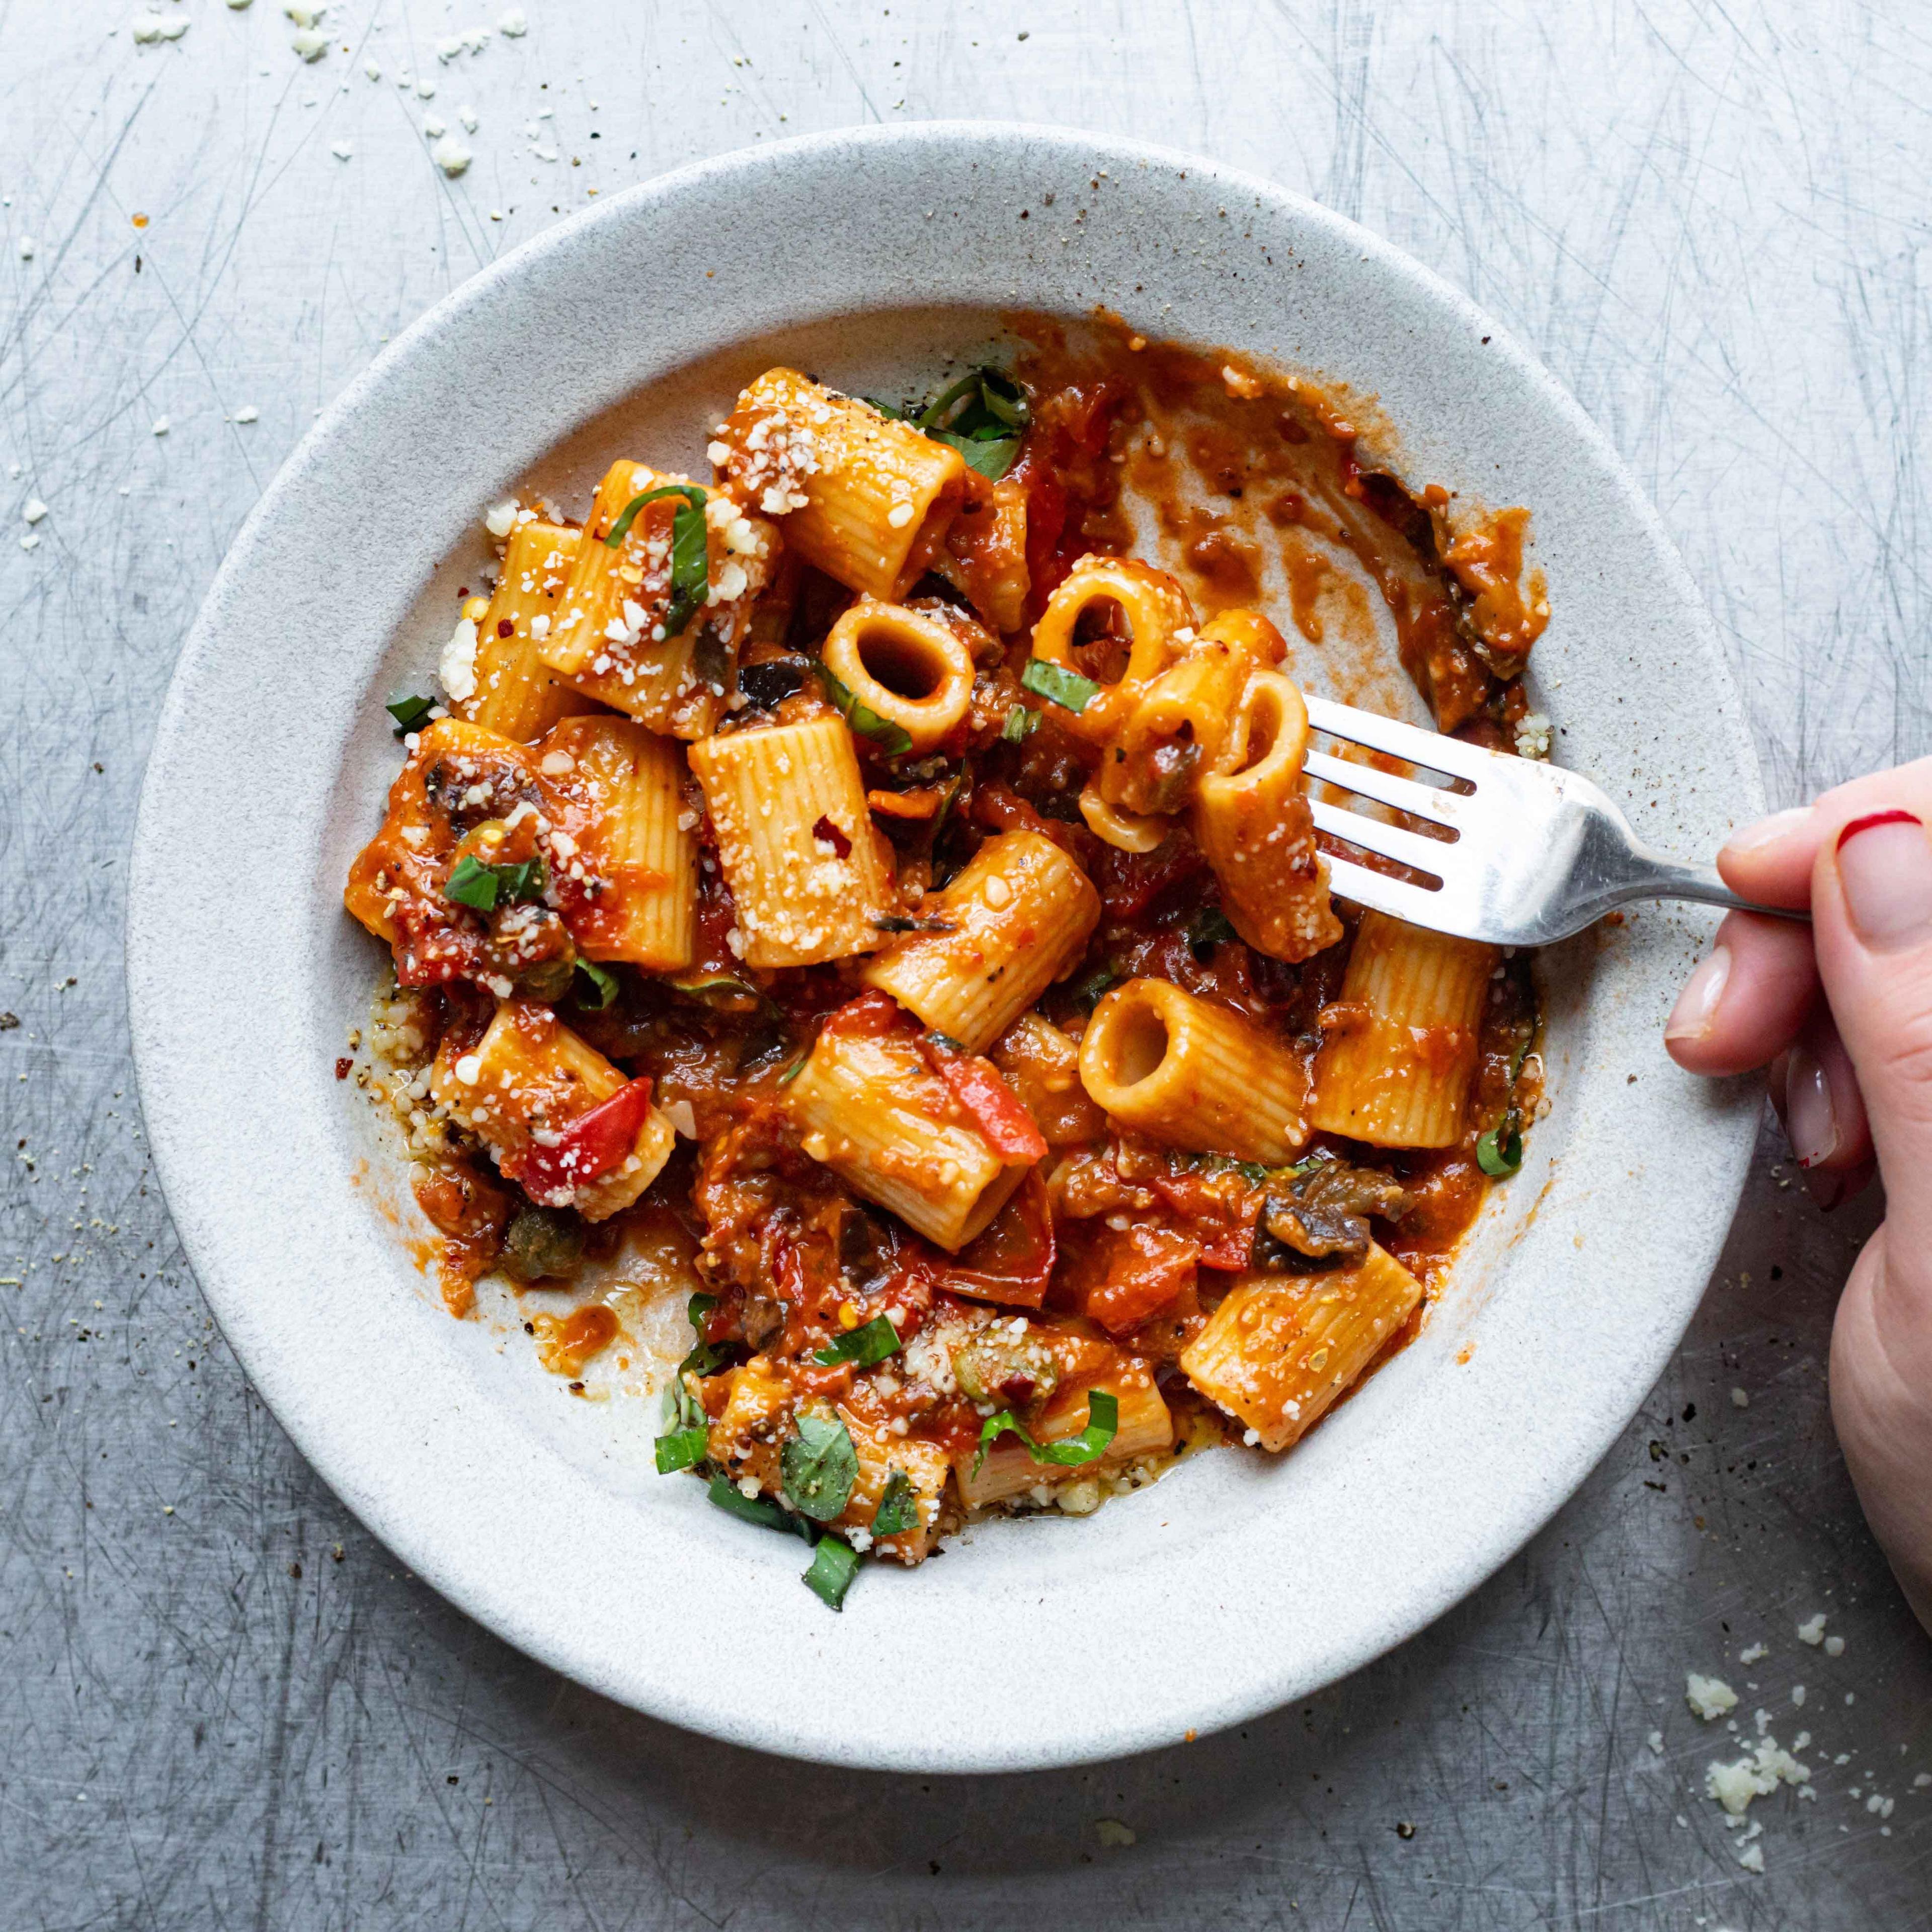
pixel 588 1148
pixel 1150 1266
pixel 871 1016
pixel 1012 1261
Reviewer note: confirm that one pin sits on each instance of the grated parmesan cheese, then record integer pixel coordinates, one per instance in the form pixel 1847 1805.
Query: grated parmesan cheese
pixel 458 667
pixel 1709 1697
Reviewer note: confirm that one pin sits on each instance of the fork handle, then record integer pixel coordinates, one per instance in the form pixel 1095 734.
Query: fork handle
pixel 1658 876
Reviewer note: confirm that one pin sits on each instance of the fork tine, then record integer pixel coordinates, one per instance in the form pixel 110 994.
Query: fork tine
pixel 1379 892
pixel 1421 801
pixel 1430 748
pixel 1432 856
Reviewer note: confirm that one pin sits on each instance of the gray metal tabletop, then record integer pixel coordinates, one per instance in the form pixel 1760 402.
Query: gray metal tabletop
pixel 221 1702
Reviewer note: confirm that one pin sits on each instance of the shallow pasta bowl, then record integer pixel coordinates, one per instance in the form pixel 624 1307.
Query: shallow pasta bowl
pixel 1236 1582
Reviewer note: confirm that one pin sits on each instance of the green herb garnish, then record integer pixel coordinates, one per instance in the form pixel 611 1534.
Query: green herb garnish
pixel 1103 1422
pixel 1088 991
pixel 792 1072
pixel 411 714
pixel 862 1346
pixel 1208 930
pixel 820 1466
pixel 483 888
pixel 1057 685
pixel 690 556
pixel 682 1449
pixel 983 415
pixel 892 740
pixel 603 985
pixel 760 1510
pixel 1021 722
pixel 829 1575
pixel 898 1506
pixel 1499 1152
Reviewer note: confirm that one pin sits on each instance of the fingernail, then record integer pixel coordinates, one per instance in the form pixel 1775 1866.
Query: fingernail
pixel 1697 1005
pixel 1811 1122
pixel 1885 866
pixel 1826 1189
pixel 1768 831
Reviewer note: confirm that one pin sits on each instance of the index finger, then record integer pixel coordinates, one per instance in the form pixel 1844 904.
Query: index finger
pixel 1770 861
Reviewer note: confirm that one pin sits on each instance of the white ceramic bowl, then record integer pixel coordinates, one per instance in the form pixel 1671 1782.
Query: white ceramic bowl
pixel 1237 1583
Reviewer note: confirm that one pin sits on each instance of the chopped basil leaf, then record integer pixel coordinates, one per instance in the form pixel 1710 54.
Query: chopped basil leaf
pixel 682 1449
pixel 720 990
pixel 1517 1059
pixel 829 1575
pixel 820 1466
pixel 893 923
pixel 690 557
pixel 983 415
pixel 792 1072
pixel 1249 1170
pixel 760 1510
pixel 1021 722
pixel 1499 1152
pixel 885 408
pixel 483 888
pixel 862 1346
pixel 898 1506
pixel 603 985
pixel 1208 930
pixel 892 740
pixel 1067 688
pixel 1103 1422
pixel 1088 991
pixel 411 714
pixel 698 1310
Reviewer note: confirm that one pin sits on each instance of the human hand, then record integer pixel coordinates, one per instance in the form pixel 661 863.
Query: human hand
pixel 1851 1076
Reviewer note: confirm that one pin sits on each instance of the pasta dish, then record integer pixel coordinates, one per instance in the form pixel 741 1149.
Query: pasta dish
pixel 881 869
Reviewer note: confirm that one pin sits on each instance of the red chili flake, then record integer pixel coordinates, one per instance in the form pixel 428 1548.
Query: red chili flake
pixel 833 837
pixel 505 628
pixel 342 1067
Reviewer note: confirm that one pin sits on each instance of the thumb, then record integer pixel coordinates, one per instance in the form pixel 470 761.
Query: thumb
pixel 1871 906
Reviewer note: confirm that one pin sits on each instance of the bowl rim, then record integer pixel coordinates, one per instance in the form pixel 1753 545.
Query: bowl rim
pixel 383 1504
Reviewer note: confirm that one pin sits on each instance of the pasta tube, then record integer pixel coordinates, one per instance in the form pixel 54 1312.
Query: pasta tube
pixel 913 670
pixel 638 842
pixel 512 690
pixel 866 499
pixel 1145 1426
pixel 870 1108
pixel 1177 731
pixel 1281 1348
pixel 1403 1041
pixel 1153 608
pixel 522 1085
pixel 1192 1074
pixel 610 638
pixel 1253 823
pixel 809 873
pixel 1020 913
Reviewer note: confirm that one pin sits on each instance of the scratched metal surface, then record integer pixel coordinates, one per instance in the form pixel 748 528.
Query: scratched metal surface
pixel 221 1704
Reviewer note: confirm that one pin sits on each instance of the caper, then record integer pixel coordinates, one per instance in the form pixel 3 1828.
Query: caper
pixel 542 1244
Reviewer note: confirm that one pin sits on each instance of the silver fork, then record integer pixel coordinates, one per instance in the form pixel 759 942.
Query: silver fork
pixel 1534 853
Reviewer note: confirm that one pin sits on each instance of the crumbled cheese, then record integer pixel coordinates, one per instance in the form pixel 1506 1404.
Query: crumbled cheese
pixel 374 72
pixel 451 155
pixel 1532 735
pixel 683 1120
pixel 1834 1646
pixel 1239 383
pixel 468 1069
pixel 540 625
pixel 457 669
pixel 899 515
pixel 1757 1775
pixel 247 413
pixel 27 244
pixel 1709 1697
pixel 1752 1859
pixel 33 510
pixel 304 15
pixel 1812 1630
pixel 425 90
pixel 31 540
pixel 343 151
pixel 148 28
pixel 511 25
pixel 470 120
pixel 309 44
pixel 1656 1742
pixel 1740 1398
pixel 434 128
pixel 501 518
pixel 717 455
pixel 1757 1651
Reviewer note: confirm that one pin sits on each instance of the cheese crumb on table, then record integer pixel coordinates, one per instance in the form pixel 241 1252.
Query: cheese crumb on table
pixel 1709 1697
pixel 1812 1631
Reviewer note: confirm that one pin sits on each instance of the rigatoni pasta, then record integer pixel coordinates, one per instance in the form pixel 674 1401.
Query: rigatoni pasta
pixel 807 870
pixel 878 901
pixel 1281 1348
pixel 871 1108
pixel 1400 1054
pixel 1191 1074
pixel 866 500
pixel 1015 920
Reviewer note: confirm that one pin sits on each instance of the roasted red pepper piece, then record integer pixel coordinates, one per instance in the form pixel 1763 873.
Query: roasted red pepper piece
pixel 981 1089
pixel 588 1148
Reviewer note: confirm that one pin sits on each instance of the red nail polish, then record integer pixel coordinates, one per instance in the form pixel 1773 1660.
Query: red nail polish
pixel 1894 816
